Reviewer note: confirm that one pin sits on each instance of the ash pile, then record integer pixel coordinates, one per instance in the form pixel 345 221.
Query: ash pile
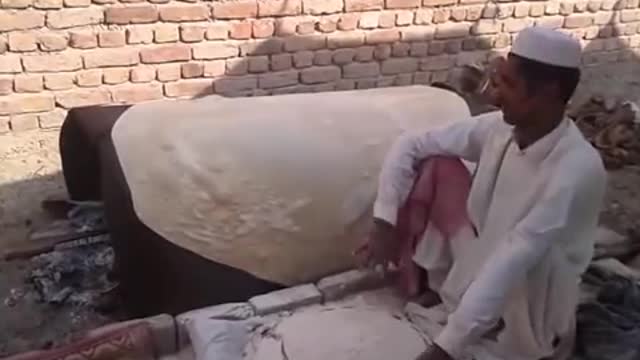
pixel 73 263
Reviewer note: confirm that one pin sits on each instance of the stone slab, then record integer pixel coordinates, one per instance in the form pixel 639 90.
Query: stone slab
pixel 286 299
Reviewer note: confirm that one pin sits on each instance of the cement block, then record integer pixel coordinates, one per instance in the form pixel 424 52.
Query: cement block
pixel 230 311
pixel 338 286
pixel 286 299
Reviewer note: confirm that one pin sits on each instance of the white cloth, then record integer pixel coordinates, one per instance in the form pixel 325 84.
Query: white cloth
pixel 535 212
pixel 281 187
pixel 548 47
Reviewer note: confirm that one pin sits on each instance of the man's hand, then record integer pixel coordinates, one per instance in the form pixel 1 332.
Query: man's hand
pixel 434 352
pixel 381 247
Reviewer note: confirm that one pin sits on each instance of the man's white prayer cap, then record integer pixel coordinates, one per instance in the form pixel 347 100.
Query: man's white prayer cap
pixel 548 46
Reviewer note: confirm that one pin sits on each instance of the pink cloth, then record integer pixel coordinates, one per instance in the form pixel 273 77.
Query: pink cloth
pixel 439 196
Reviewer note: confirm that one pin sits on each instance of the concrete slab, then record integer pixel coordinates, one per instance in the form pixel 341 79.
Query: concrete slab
pixel 231 311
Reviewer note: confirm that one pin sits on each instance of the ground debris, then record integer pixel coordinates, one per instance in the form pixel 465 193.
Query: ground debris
pixel 76 276
pixel 612 126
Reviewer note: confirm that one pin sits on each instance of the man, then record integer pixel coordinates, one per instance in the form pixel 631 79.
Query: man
pixel 510 279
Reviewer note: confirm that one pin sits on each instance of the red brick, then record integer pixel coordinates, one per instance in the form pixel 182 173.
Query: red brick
pixel 382 52
pixel 83 97
pixel 192 70
pixel 452 30
pixel 363 5
pixel 281 62
pixel 24 122
pixel 235 9
pixel 231 85
pixel 53 42
pixel 192 33
pixel 89 78
pixel 165 53
pixel 279 7
pixel 278 79
pixel 11 20
pixel 327 24
pixel 67 18
pixel 263 28
pixel 361 70
pixel 166 33
pixel 240 30
pixel 303 59
pixel 52 63
pixel 401 49
pixel 26 104
pixel 403 4
pixel 424 16
pixel 111 38
pixel 142 74
pixel 113 57
pixel 404 18
pixel 262 47
pixel 438 2
pixel 306 26
pixel 364 53
pixel 140 35
pixel 83 40
pixel 47 4
pixel 138 14
pixel 320 74
pixel 237 66
pixel 135 93
pixel 441 16
pixel 211 51
pixel 305 42
pixel 28 83
pixel 387 20
pixel 348 22
pixel 369 20
pixel 6 85
pixel 77 3
pixel 321 7
pixel 286 26
pixel 346 39
pixel 488 26
pixel 52 119
pixel 258 64
pixel 15 4
pixel 217 31
pixel 3 46
pixel 115 76
pixel 517 25
pixel 214 68
pixel 322 57
pixel 344 56
pixel 22 42
pixel 180 13
pixel 60 81
pixel 382 36
pixel 189 88
pixel 168 72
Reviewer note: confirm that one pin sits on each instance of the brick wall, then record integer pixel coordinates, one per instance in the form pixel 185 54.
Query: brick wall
pixel 60 54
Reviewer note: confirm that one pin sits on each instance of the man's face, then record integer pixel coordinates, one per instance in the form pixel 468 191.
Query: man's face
pixel 509 92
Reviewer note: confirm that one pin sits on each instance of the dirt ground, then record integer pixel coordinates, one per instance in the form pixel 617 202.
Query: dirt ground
pixel 30 173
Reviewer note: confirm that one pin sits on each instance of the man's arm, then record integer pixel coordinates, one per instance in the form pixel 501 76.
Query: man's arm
pixel 463 139
pixel 574 196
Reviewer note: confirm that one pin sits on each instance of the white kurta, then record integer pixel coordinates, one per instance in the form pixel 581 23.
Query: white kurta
pixel 535 211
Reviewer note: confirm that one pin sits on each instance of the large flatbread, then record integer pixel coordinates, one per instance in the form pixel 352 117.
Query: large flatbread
pixel 281 187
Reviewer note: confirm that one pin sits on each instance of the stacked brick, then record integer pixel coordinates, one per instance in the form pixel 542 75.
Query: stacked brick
pixel 60 54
